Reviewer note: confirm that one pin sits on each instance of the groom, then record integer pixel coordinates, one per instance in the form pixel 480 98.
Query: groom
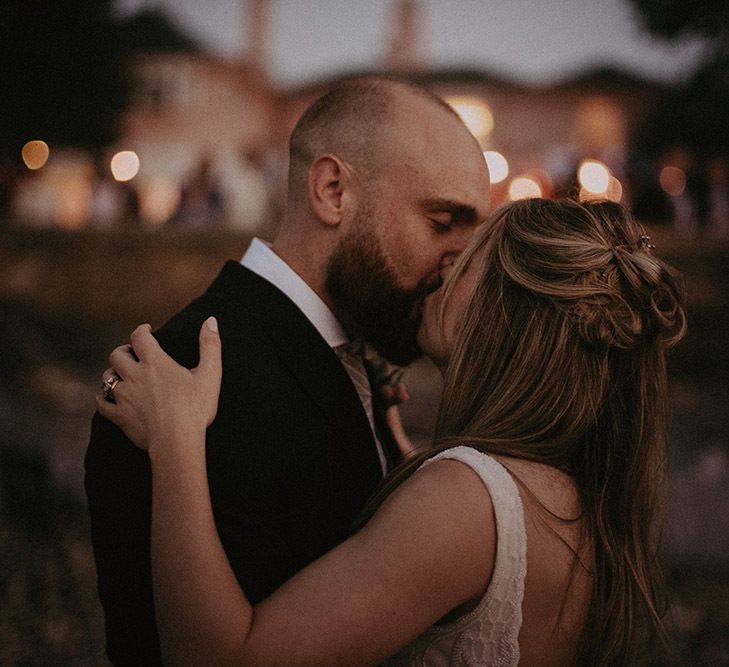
pixel 385 188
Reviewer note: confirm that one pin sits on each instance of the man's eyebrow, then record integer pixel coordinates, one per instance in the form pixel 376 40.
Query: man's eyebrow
pixel 461 213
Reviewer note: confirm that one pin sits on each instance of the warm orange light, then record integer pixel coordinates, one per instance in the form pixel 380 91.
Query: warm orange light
pixel 614 190
pixel 498 166
pixel 35 154
pixel 594 176
pixel 600 125
pixel 542 177
pixel 158 200
pixel 524 187
pixel 74 196
pixel 475 113
pixel 673 181
pixel 125 165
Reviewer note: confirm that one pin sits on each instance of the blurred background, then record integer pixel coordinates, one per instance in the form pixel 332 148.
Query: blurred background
pixel 143 142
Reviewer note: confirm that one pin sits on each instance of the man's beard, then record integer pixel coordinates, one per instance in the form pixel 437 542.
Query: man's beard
pixel 366 297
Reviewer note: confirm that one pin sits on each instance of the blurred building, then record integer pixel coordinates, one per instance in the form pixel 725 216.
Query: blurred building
pixel 194 114
pixel 542 132
pixel 209 134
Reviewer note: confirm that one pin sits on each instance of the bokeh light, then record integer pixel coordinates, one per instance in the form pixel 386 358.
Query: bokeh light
pixel 593 176
pixel 35 154
pixel 673 181
pixel 524 187
pixel 158 200
pixel 614 190
pixel 72 178
pixel 125 165
pixel 475 113
pixel 498 166
pixel 543 179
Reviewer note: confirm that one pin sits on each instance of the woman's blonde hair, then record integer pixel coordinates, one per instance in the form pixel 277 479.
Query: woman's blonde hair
pixel 560 359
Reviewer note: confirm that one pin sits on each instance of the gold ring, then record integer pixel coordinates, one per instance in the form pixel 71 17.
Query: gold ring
pixel 108 387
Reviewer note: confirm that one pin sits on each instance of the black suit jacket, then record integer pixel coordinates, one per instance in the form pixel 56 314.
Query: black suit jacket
pixel 291 458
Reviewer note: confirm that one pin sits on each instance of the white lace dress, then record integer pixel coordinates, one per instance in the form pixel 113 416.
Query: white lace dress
pixel 487 635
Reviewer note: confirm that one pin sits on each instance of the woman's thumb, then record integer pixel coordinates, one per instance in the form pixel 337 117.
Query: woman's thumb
pixel 210 355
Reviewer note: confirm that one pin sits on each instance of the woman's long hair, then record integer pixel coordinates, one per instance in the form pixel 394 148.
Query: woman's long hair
pixel 560 360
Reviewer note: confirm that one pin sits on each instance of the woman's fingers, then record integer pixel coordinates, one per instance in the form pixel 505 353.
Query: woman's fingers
pixel 144 343
pixel 122 362
pixel 105 407
pixel 124 416
pixel 145 389
pixel 211 365
pixel 106 401
pixel 209 371
pixel 110 379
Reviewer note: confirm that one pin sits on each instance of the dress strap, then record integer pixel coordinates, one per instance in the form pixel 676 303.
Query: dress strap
pixel 502 601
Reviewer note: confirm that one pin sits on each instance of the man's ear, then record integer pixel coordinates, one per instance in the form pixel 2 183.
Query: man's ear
pixel 328 186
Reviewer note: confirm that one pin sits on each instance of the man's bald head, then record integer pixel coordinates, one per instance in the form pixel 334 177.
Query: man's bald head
pixel 386 185
pixel 350 121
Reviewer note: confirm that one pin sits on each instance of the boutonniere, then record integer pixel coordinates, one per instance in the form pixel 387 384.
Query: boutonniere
pixel 385 377
pixel 385 380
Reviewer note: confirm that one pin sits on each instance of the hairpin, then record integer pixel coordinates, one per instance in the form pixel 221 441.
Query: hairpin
pixel 644 242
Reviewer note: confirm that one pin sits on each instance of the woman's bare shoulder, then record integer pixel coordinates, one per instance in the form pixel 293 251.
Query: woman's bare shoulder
pixel 551 487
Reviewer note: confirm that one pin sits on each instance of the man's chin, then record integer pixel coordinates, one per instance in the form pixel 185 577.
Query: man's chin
pixel 402 357
pixel 401 351
pixel 416 313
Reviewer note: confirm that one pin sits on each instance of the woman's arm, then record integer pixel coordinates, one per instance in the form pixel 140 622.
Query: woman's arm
pixel 429 548
pixel 394 421
pixel 202 614
pixel 424 553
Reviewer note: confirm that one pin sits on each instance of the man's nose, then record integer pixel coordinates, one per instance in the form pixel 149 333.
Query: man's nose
pixel 445 269
pixel 457 242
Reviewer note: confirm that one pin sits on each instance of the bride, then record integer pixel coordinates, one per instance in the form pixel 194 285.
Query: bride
pixel 523 535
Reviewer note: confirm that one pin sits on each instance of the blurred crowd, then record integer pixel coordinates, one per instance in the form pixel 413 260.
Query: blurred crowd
pixel 690 194
pixel 242 191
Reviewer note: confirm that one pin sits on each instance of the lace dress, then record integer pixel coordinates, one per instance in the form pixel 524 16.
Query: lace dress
pixel 488 634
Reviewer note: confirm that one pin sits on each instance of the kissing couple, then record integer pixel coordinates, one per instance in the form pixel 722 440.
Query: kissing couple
pixel 249 500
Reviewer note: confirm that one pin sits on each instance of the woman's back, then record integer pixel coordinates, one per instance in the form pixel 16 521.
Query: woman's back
pixel 558 586
pixel 529 612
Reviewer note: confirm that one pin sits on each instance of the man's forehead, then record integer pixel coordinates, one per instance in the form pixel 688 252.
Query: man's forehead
pixel 445 146
pixel 434 156
pixel 413 117
pixel 446 186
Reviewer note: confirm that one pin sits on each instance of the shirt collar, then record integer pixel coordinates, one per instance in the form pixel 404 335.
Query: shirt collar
pixel 263 261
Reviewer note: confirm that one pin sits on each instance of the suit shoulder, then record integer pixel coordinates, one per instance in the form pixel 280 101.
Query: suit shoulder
pixel 231 298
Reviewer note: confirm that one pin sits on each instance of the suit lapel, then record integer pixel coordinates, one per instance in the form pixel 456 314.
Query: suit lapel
pixel 308 358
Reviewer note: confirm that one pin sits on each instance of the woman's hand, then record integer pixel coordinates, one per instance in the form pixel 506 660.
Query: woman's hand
pixel 156 399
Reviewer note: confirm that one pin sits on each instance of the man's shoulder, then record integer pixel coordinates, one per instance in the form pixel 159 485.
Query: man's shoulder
pixel 237 288
pixel 236 285
pixel 248 308
pixel 231 297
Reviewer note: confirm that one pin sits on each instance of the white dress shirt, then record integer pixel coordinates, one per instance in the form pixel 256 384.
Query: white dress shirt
pixel 263 261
